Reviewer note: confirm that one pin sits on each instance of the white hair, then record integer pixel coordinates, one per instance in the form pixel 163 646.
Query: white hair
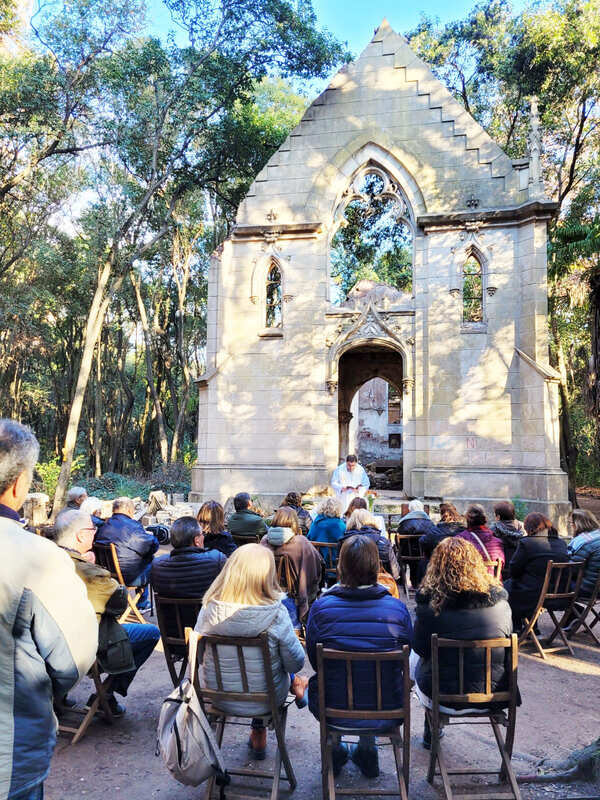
pixel 19 450
pixel 330 507
pixel 68 524
pixel 416 505
pixel 91 505
pixel 123 505
pixel 75 493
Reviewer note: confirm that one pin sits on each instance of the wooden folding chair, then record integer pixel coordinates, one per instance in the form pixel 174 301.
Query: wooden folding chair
pixel 408 550
pixel 174 615
pixel 328 551
pixel 212 699
pixel 481 713
pixel 331 733
pixel 582 608
pixel 496 568
pixel 100 703
pixel 560 587
pixel 106 556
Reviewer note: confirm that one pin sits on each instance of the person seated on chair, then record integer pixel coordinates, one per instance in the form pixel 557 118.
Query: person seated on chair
pixel 212 522
pixel 74 531
pixel 189 569
pixel 284 538
pixel 416 522
pixel 507 527
pixel 586 547
pixel 244 601
pixel 458 599
pixel 451 523
pixel 527 567
pixel 360 502
pixel 245 521
pixel 328 526
pixel 358 614
pixel 490 547
pixel 294 500
pixel 362 522
pixel 75 497
pixel 135 547
pixel 93 507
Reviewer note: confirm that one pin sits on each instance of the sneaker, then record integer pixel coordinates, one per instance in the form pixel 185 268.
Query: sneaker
pixel 367 760
pixel 340 755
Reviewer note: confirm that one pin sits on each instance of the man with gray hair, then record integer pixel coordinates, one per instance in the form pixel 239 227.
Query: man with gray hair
pixel 75 497
pixel 48 629
pixel 135 547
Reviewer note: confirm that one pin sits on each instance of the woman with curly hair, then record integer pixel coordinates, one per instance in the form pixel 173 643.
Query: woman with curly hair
pixel 459 599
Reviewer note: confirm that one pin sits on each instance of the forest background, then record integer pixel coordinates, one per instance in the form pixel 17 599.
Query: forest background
pixel 123 157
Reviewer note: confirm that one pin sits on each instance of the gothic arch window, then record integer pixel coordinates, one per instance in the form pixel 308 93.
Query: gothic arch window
pixel 274 298
pixel 472 290
pixel 374 236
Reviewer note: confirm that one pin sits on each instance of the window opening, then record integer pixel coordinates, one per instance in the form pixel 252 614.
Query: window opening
pixel 374 240
pixel 394 406
pixel 472 281
pixel 274 317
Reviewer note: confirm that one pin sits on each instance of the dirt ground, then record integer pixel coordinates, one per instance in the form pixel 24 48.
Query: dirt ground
pixel 560 712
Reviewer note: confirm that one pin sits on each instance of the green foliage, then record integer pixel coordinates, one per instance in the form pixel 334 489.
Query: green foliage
pixel 520 507
pixel 112 485
pixel 48 472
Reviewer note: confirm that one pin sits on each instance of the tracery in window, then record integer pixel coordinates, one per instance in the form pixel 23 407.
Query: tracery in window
pixel 274 317
pixel 375 236
pixel 472 290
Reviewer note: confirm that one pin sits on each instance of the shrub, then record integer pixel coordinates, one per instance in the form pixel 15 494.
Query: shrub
pixel 48 472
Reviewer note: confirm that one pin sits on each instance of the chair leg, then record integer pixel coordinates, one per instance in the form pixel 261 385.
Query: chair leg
pixel 505 754
pixel 329 779
pixel 558 630
pixel 529 633
pixel 282 750
pixel 401 771
pixel 433 749
pixel 210 783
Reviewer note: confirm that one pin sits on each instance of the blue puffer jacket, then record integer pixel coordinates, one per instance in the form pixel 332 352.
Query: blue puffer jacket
pixel 327 529
pixel 135 547
pixel 186 571
pixel 358 620
pixel 48 640
pixel 586 547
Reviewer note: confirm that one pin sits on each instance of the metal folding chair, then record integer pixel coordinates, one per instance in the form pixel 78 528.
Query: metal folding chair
pixel 106 556
pixel 331 733
pixel 174 615
pixel 560 588
pixel 213 698
pixel 481 713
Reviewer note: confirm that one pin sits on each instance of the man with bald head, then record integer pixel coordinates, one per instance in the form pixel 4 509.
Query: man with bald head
pixel 135 547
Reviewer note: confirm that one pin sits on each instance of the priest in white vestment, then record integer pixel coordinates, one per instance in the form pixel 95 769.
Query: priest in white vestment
pixel 349 481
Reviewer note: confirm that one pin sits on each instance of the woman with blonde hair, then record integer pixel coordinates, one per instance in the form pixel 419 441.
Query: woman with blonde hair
pixel 328 525
pixel 363 522
pixel 212 521
pixel 459 599
pixel 245 600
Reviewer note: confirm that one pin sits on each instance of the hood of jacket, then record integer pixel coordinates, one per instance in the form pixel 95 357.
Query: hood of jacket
pixel 364 593
pixel 507 530
pixel 235 619
pixel 464 600
pixel 277 537
pixel 415 515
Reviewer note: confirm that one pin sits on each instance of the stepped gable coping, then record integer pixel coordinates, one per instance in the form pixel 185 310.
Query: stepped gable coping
pixel 536 209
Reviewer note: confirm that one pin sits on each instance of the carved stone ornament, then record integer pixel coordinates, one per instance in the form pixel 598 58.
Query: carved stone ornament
pixel 288 298
pixel 345 416
pixel 407 385
pixel 254 299
pixel 271 216
pixel 455 292
pixel 271 236
pixel 472 201
pixel 470 231
pixel 491 290
pixel 332 387
pixel 411 341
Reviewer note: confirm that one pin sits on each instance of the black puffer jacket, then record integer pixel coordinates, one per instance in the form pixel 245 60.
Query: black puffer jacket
pixel 388 559
pixel 135 547
pixel 469 615
pixel 528 568
pixel 220 541
pixel 416 522
pixel 442 530
pixel 186 571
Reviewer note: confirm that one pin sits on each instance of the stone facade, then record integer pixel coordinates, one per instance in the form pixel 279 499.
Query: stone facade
pixel 480 404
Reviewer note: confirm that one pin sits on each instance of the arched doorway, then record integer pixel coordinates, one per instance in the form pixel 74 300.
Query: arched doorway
pixel 357 367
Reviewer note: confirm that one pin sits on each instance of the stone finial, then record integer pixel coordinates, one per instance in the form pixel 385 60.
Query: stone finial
pixel 534 141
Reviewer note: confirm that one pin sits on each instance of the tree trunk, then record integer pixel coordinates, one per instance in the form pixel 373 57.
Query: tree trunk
pixel 98 414
pixel 160 420
pixel 568 450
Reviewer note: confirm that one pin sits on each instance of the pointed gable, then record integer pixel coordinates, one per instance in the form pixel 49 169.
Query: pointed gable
pixel 387 105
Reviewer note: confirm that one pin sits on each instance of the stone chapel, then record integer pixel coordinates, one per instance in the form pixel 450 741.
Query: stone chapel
pixel 464 341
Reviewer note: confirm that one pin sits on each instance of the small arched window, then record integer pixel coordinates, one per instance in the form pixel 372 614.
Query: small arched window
pixel 274 298
pixel 472 290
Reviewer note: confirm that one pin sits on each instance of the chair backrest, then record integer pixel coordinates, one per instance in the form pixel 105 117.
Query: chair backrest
pixel 377 659
pixel 174 615
pixel 221 694
pixel 287 577
pixel 561 582
pixel 239 539
pixel 408 547
pixel 494 567
pixel 507 697
pixel 106 556
pixel 328 551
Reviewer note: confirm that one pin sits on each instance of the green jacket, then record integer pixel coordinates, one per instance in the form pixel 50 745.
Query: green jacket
pixel 246 523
